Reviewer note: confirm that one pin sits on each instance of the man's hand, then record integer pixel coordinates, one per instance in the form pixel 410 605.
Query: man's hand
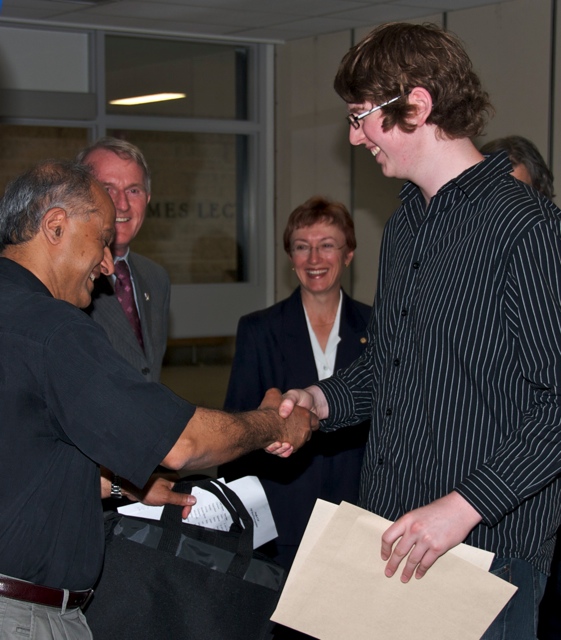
pixel 280 449
pixel 426 533
pixel 291 399
pixel 311 398
pixel 158 491
pixel 299 424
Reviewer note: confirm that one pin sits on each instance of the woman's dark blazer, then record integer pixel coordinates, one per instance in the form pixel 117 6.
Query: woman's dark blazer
pixel 273 349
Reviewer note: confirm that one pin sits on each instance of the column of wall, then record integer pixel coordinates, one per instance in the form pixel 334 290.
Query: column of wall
pixel 510 45
pixel 312 153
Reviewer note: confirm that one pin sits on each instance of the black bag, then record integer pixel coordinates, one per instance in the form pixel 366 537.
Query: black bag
pixel 171 580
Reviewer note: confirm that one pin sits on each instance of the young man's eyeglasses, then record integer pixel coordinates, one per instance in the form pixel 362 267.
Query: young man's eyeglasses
pixel 354 119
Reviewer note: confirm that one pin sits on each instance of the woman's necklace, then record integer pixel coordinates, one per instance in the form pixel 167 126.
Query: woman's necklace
pixel 324 324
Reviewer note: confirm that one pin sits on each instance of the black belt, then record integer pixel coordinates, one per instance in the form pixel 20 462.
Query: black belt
pixel 29 592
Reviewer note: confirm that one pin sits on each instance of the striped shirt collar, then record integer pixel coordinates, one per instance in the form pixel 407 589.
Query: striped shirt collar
pixel 474 184
pixel 470 181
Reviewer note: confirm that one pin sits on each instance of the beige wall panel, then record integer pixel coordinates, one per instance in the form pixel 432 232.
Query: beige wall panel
pixel 311 154
pixel 556 134
pixel 320 164
pixel 302 94
pixel 283 148
pixel 329 51
pixel 376 198
pixel 334 158
pixel 359 34
pixel 509 44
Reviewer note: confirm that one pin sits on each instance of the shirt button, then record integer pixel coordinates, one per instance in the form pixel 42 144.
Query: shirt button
pixel 145 371
pixel 380 459
pixel 396 362
pixel 388 412
pixel 416 265
pixel 404 312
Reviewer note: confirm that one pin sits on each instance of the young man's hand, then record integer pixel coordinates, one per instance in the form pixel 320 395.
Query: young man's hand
pixel 424 534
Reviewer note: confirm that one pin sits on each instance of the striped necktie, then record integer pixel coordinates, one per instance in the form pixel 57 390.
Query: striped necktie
pixel 125 295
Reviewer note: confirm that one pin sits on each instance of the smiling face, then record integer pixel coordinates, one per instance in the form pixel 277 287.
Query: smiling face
pixel 392 148
pixel 319 271
pixel 124 181
pixel 84 251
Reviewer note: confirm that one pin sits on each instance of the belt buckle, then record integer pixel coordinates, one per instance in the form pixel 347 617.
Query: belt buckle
pixel 88 598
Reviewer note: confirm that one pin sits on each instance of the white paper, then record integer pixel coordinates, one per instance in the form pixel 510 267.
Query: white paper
pixel 139 510
pixel 210 512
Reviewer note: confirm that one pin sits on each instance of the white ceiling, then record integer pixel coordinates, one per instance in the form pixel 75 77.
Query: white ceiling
pixel 256 20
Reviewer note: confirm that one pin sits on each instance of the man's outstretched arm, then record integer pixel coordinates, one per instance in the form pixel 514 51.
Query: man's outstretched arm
pixel 214 437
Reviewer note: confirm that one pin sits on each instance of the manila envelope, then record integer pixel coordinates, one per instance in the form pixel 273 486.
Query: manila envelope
pixel 337 587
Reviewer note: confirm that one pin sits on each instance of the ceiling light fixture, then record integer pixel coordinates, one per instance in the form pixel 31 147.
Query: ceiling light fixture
pixel 155 97
pixel 92 2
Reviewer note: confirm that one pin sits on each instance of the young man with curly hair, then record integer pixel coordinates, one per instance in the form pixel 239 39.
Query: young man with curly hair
pixel 462 374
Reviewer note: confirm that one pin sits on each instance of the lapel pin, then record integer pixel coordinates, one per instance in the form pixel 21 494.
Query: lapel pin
pixel 363 340
pixel 147 296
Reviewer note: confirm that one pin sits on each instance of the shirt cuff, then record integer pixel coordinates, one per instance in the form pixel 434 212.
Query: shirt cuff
pixel 488 495
pixel 340 402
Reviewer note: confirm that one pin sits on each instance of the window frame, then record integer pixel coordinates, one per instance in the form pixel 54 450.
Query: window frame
pixel 197 310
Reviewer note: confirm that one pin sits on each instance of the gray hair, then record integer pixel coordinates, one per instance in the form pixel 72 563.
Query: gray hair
pixel 123 149
pixel 522 151
pixel 49 184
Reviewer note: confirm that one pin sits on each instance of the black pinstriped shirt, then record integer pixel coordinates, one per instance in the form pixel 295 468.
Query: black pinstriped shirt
pixel 462 376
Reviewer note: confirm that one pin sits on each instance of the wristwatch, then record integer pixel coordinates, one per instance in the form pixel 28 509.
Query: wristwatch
pixel 116 491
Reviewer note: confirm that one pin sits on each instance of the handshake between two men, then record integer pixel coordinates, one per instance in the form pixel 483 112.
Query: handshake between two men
pixel 419 537
pixel 283 424
pixel 213 437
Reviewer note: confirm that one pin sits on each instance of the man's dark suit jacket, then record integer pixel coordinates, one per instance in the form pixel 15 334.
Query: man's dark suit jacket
pixel 152 288
pixel 273 349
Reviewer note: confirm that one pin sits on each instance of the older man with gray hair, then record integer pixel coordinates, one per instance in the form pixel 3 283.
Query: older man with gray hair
pixel 132 305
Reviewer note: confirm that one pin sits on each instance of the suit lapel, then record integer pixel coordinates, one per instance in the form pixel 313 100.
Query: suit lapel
pixel 352 333
pixel 112 311
pixel 297 349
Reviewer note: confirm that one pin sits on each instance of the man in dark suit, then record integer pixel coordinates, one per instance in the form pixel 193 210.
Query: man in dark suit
pixel 137 328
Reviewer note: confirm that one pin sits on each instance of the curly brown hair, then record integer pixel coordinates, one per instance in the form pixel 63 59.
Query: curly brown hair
pixel 320 209
pixel 395 58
